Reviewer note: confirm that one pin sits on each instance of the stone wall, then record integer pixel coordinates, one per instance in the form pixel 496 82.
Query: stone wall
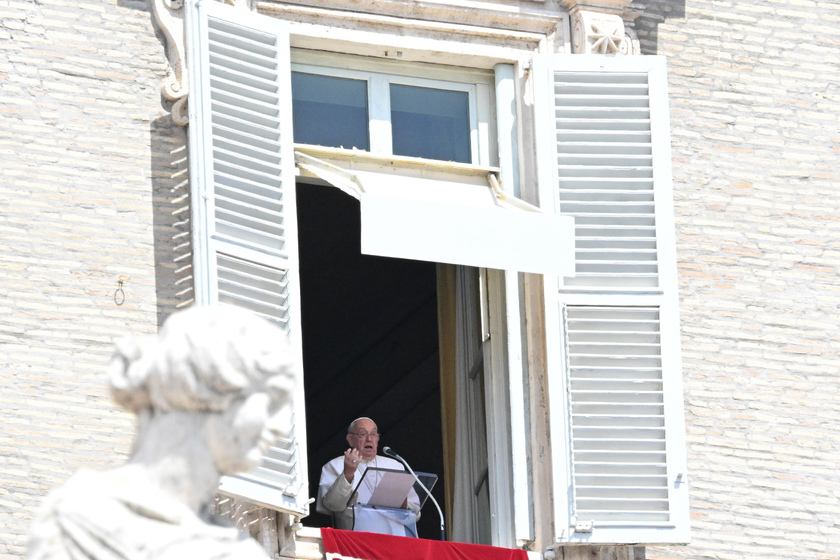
pixel 755 99
pixel 89 194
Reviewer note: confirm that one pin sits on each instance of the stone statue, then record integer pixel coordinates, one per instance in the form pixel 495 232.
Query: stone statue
pixel 210 391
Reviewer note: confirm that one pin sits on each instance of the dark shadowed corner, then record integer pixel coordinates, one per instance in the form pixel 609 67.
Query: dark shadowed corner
pixel 171 216
pixel 656 12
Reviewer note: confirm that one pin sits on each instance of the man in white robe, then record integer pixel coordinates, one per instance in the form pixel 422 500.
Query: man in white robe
pixel 341 477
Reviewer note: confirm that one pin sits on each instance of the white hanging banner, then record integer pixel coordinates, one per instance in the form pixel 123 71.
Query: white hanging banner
pixel 468 234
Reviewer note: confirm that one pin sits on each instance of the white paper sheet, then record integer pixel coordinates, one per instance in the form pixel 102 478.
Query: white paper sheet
pixel 392 489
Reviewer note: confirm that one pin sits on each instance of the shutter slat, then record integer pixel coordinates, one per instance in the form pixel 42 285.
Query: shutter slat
pixel 601 126
pixel 241 165
pixel 245 187
pixel 628 420
pixel 247 58
pixel 244 64
pixel 603 158
pixel 226 76
pixel 596 507
pixel 249 127
pixel 242 41
pixel 631 520
pixel 244 138
pixel 244 111
pixel 231 86
pixel 261 289
pixel 599 173
pixel 605 185
pixel 619 446
pixel 626 374
pixel 612 136
pixel 629 147
pixel 246 230
pixel 629 470
pixel 251 194
pixel 271 218
pixel 622 432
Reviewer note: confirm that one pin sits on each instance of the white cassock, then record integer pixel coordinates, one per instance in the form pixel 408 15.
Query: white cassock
pixel 334 498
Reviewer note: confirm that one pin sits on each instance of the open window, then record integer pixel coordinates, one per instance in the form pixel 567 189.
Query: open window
pixel 611 311
pixel 245 231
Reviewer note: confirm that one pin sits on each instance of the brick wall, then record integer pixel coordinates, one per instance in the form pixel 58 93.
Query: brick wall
pixel 755 99
pixel 89 192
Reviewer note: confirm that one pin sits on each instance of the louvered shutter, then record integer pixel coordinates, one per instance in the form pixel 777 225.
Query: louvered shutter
pixel 618 435
pixel 243 205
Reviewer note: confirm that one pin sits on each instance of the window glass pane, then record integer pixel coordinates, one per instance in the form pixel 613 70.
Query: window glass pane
pixel 330 111
pixel 430 123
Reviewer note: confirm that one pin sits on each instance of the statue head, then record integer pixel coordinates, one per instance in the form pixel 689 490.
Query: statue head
pixel 222 363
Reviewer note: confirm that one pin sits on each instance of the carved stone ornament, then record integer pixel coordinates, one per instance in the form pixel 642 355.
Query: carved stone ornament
pixel 169 16
pixel 600 33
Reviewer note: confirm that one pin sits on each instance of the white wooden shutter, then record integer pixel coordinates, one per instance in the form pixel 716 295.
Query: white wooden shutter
pixel 243 203
pixel 618 435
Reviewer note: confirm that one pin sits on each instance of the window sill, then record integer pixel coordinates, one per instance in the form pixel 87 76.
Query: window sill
pixel 361 160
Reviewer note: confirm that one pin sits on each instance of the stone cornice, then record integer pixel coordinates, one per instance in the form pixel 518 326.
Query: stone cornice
pixel 488 35
pixel 607 6
pixel 524 15
pixel 621 8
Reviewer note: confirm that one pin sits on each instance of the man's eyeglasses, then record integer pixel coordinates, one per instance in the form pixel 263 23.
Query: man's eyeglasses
pixel 364 435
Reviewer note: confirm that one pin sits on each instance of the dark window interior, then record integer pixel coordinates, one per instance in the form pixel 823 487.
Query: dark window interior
pixel 370 344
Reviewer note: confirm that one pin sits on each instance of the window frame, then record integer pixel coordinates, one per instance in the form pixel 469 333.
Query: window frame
pixel 379 75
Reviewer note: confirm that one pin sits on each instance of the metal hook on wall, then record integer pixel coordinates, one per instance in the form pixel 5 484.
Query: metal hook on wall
pixel 119 294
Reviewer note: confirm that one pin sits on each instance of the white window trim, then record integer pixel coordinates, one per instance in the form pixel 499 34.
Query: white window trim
pixel 379 78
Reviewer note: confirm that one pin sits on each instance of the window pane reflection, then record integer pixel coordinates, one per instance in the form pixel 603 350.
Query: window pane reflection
pixel 330 111
pixel 430 123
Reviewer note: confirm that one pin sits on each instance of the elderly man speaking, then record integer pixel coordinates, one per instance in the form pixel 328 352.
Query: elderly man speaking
pixel 340 479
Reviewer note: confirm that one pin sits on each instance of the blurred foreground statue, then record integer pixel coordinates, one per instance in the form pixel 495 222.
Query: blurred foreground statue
pixel 210 391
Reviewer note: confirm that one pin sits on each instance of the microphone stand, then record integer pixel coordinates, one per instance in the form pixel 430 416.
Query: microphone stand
pixel 390 453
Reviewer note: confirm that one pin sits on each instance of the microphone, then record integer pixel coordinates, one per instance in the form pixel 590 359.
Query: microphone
pixel 390 453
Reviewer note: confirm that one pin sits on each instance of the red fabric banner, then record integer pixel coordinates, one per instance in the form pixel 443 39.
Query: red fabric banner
pixel 358 545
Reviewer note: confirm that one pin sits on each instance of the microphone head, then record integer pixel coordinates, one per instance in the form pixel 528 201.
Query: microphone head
pixel 389 452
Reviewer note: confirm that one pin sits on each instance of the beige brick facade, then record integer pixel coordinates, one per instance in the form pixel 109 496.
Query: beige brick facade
pixel 88 194
pixel 93 189
pixel 755 99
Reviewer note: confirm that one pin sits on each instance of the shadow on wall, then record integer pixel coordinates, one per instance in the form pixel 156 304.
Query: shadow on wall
pixel 169 173
pixel 655 13
pixel 171 216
